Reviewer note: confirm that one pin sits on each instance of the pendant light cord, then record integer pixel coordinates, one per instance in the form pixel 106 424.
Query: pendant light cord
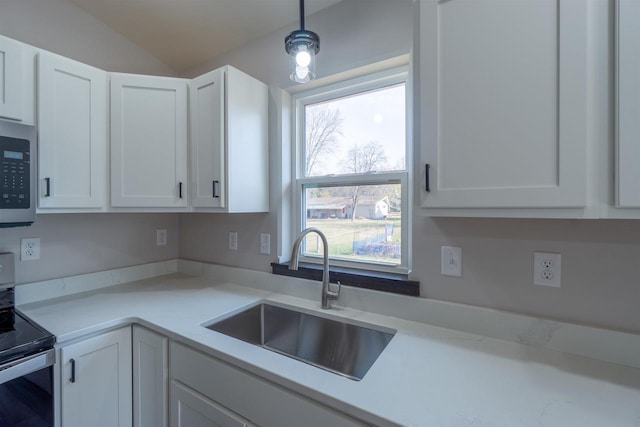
pixel 302 14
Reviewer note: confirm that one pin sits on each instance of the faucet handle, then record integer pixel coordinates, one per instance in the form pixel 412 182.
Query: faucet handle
pixel 334 295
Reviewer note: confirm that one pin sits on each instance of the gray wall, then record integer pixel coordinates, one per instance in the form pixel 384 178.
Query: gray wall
pixel 61 27
pixel 352 33
pixel 73 244
pixel 600 258
pixel 81 243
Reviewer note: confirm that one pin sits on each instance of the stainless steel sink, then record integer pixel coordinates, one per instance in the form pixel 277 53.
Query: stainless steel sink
pixel 346 349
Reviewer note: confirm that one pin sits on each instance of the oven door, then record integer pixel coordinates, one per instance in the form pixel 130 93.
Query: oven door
pixel 26 391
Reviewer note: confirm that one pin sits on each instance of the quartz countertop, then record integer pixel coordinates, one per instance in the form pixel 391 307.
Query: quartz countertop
pixel 427 375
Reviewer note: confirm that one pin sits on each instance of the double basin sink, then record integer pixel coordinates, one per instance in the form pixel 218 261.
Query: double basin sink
pixel 347 349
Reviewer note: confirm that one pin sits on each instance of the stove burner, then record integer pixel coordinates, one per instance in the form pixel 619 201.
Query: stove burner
pixel 7 319
pixel 7 315
pixel 9 337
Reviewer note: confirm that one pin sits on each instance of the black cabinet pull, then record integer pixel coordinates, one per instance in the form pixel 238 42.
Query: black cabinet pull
pixel 48 187
pixel 426 179
pixel 215 196
pixel 180 190
pixel 73 371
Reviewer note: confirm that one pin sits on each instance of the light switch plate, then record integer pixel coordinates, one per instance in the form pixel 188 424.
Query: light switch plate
pixel 451 261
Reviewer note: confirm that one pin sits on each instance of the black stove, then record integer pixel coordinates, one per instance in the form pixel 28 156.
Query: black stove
pixel 19 335
pixel 23 339
pixel 27 358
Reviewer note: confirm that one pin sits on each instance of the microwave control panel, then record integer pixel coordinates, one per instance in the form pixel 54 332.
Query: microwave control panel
pixel 15 164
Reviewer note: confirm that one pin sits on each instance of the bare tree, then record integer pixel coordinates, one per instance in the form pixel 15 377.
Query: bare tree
pixel 362 160
pixel 323 125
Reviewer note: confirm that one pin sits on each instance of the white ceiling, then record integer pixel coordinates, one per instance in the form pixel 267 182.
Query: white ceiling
pixel 185 33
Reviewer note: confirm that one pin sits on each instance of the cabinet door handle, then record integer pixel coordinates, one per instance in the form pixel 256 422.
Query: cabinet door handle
pixel 180 190
pixel 215 196
pixel 426 179
pixel 47 192
pixel 73 371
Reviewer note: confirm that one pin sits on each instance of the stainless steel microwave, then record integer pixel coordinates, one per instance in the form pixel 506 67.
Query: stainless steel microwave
pixel 17 174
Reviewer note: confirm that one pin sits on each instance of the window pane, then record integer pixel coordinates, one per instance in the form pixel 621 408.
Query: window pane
pixel 361 222
pixel 356 134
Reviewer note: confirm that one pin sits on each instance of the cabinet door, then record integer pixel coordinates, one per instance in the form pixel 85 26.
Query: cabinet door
pixel 150 378
pixel 11 83
pixel 96 381
pixel 502 103
pixel 628 98
pixel 148 141
pixel 191 409
pixel 72 133
pixel 208 173
pixel 250 396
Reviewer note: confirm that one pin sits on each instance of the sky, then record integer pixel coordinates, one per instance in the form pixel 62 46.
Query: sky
pixel 373 116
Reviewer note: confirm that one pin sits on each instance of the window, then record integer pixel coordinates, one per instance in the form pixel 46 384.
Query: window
pixel 351 178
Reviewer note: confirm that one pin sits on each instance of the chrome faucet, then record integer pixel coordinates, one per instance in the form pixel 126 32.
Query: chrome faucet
pixel 327 294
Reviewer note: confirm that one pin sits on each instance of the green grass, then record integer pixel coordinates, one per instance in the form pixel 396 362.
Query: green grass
pixel 341 233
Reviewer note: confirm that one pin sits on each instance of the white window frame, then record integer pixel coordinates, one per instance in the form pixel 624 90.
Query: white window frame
pixel 366 82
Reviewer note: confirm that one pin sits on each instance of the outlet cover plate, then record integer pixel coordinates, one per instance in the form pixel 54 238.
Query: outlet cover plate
pixel 30 249
pixel 451 261
pixel 233 240
pixel 547 269
pixel 265 243
pixel 161 237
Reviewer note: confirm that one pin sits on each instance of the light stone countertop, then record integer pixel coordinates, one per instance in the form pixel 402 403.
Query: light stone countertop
pixel 427 376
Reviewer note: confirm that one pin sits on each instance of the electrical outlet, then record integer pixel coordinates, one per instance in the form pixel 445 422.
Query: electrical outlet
pixel 451 261
pixel 233 240
pixel 161 237
pixel 547 269
pixel 30 249
pixel 265 243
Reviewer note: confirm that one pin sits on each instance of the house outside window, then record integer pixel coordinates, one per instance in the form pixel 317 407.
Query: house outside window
pixel 351 176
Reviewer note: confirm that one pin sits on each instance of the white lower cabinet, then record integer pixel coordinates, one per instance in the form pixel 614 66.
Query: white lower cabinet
pixel 134 377
pixel 191 409
pixel 208 392
pixel 150 378
pixel 96 381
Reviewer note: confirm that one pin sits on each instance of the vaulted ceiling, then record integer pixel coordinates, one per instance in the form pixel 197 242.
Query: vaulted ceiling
pixel 185 33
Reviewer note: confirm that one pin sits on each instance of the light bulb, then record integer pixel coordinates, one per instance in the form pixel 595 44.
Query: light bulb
pixel 302 73
pixel 303 58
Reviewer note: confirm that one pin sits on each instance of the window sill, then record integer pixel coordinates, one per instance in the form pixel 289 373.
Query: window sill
pixel 378 281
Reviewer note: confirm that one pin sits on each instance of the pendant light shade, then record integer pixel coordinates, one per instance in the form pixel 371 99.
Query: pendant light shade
pixel 302 47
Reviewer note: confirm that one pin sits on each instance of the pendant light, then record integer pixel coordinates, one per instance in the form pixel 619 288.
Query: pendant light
pixel 302 47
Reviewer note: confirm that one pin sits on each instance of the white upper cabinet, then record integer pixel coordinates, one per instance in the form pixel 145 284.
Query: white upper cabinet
pixel 502 106
pixel 72 134
pixel 628 100
pixel 229 142
pixel 17 81
pixel 148 141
